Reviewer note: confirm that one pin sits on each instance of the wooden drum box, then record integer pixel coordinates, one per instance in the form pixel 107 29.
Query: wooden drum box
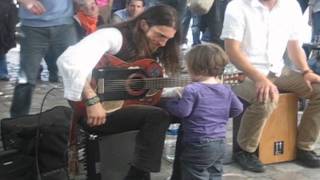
pixel 278 140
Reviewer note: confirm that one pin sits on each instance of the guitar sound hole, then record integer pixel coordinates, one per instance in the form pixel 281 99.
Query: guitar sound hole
pixel 136 84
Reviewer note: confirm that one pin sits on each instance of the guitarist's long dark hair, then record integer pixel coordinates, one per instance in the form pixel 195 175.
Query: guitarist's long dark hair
pixel 136 45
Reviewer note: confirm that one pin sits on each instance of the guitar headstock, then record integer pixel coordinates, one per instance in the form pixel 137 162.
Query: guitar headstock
pixel 232 75
pixel 233 79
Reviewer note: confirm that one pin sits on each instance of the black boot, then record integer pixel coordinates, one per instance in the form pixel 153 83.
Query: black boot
pixel 137 174
pixel 308 158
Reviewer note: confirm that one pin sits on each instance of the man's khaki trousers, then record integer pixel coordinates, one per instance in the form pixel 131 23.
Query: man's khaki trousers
pixel 256 115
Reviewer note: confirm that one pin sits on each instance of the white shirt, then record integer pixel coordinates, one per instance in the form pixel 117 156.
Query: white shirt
pixel 263 33
pixel 78 61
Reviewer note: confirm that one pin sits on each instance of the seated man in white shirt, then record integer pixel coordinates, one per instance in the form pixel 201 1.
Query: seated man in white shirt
pixel 256 35
pixel 133 9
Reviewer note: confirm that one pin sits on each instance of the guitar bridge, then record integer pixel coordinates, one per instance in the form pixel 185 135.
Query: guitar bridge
pixel 100 86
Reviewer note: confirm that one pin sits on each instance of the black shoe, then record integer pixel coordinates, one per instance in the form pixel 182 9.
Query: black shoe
pixel 248 161
pixel 137 174
pixel 308 158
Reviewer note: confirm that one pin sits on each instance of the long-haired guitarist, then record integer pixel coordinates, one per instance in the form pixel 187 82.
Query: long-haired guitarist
pixel 153 34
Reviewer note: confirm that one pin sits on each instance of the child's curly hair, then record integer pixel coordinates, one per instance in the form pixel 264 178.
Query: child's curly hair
pixel 206 60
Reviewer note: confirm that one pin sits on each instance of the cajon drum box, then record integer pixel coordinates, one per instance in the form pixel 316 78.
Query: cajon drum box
pixel 278 140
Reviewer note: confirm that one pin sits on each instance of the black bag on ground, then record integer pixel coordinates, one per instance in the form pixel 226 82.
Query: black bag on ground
pixel 20 133
pixel 16 166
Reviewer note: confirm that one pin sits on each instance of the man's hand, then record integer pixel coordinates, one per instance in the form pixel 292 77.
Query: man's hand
pixel 34 6
pixel 310 78
pixel 96 115
pixel 266 91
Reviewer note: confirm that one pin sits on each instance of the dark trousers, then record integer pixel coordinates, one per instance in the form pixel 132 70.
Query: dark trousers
pixel 214 20
pixel 176 167
pixel 21 101
pixel 152 123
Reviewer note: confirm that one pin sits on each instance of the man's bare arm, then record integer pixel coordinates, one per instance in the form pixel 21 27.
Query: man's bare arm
pixel 96 114
pixel 297 55
pixel 265 89
pixel 34 6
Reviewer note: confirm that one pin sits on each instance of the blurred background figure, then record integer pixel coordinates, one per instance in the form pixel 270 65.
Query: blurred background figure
pixel 314 18
pixel 303 4
pixel 133 9
pixel 4 76
pixel 105 9
pixel 8 21
pixel 45 25
pixel 87 17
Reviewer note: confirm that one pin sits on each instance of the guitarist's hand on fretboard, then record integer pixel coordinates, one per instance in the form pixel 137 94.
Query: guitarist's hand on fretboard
pixel 96 115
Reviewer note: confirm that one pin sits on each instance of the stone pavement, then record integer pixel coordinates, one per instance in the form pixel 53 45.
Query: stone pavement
pixel 281 171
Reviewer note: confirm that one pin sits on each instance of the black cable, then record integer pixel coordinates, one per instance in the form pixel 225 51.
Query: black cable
pixel 38 133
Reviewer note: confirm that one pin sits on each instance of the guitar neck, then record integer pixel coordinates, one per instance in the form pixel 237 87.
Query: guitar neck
pixel 158 83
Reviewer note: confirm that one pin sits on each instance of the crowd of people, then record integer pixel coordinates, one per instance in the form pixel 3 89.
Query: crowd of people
pixel 74 36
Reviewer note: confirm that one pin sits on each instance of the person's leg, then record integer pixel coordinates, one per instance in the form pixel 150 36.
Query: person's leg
pixel 34 45
pixel 176 168
pixel 215 19
pixel 52 67
pixel 3 68
pixel 309 128
pixel 251 126
pixel 185 25
pixel 61 37
pixel 316 27
pixel 152 123
pixel 202 160
pixel 196 29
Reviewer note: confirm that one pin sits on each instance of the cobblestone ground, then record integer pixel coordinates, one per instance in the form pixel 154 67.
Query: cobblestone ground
pixel 281 171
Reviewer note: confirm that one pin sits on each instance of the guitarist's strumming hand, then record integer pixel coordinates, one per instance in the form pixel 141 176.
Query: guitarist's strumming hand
pixel 96 115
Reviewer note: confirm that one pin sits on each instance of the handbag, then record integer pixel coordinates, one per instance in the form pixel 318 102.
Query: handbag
pixel 200 7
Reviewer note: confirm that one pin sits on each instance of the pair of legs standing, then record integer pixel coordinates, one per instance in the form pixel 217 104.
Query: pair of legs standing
pixel 34 46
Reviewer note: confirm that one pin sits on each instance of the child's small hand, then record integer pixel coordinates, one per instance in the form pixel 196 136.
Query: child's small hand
pixel 175 92
pixel 179 91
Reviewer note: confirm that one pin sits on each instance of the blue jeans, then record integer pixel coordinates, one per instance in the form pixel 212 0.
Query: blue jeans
pixel 195 27
pixel 34 46
pixel 3 65
pixel 202 160
pixel 315 25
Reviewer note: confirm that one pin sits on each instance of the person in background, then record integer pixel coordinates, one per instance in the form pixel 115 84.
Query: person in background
pixel 152 34
pixel 4 75
pixel 87 17
pixel 303 5
pixel 204 109
pixel 314 19
pixel 213 20
pixel 44 24
pixel 133 9
pixel 256 45
pixel 8 21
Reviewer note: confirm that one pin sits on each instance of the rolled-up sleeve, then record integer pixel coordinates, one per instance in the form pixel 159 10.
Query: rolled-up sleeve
pixel 77 62
pixel 233 24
